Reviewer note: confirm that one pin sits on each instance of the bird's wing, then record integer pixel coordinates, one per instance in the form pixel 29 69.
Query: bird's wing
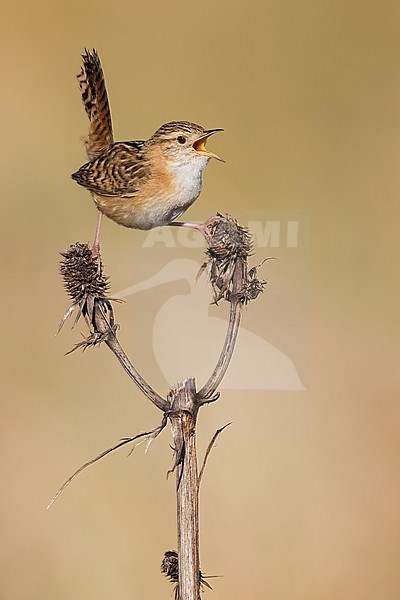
pixel 116 171
pixel 94 97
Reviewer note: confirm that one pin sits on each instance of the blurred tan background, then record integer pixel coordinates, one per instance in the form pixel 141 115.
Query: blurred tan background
pixel 301 496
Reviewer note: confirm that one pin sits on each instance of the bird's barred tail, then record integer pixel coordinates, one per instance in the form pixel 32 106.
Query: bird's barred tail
pixel 95 100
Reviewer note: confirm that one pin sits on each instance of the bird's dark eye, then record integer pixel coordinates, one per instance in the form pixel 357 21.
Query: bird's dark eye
pixel 181 139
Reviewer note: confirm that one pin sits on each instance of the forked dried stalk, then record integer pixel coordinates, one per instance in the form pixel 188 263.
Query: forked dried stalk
pixel 229 246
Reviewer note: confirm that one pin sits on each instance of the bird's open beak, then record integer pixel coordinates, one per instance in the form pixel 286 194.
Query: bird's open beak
pixel 200 144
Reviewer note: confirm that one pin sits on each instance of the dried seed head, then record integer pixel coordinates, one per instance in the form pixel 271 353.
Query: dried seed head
pixel 81 273
pixel 228 240
pixel 170 568
pixel 253 286
pixel 229 246
pixel 85 283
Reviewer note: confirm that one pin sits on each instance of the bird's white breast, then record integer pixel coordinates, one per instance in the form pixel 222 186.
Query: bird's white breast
pixel 169 202
pixel 186 177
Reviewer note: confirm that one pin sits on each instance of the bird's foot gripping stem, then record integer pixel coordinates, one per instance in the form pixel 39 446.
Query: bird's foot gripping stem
pixel 204 228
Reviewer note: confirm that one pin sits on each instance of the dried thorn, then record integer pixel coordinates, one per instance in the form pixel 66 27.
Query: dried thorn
pixel 153 433
pixel 79 312
pixel 94 339
pixel 149 439
pixel 65 316
pixel 120 300
pixel 179 458
pixel 181 462
pixel 204 582
pixel 131 450
pixel 265 260
pixel 210 447
pixel 209 400
pixel 201 271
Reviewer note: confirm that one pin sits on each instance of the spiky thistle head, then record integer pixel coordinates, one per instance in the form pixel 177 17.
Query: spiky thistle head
pixel 87 286
pixel 81 273
pixel 170 568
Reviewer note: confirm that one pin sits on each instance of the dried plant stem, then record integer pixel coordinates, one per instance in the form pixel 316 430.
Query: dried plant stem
pixel 235 317
pixel 229 246
pixel 183 421
pixel 210 447
pixel 222 365
pixel 103 326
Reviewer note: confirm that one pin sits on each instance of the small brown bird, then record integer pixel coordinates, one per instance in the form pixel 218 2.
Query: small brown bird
pixel 138 184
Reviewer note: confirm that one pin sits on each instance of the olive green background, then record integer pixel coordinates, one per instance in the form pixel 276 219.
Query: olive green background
pixel 301 496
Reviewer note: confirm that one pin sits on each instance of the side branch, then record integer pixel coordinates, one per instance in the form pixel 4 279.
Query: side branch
pixel 209 389
pixel 229 246
pixel 148 435
pixel 88 288
pixel 103 327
